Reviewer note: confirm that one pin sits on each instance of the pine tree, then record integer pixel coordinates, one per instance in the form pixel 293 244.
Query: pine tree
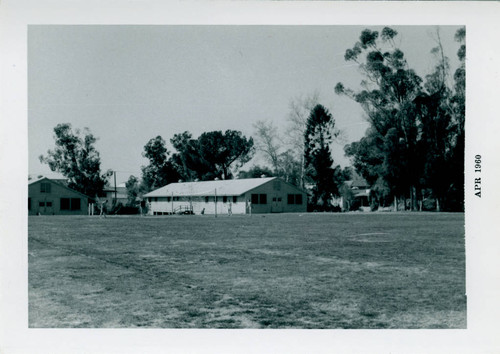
pixel 318 159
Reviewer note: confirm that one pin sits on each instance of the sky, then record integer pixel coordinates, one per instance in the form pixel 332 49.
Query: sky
pixel 129 84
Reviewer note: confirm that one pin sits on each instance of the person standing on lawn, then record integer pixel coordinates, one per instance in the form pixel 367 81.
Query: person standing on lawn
pixel 103 208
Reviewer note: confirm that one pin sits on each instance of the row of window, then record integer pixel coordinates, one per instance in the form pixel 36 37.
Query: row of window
pixel 66 204
pixel 262 199
pixel 293 199
pixel 225 199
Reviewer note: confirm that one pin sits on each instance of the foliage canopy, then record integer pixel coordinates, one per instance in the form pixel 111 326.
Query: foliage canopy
pixel 76 158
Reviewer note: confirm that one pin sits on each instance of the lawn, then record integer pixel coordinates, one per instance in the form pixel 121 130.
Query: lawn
pixel 373 270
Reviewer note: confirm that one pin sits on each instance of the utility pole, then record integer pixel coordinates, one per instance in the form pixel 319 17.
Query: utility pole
pixel 215 200
pixel 114 173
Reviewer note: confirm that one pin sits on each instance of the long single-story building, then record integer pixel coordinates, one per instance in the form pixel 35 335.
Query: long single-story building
pixel 236 196
pixel 49 197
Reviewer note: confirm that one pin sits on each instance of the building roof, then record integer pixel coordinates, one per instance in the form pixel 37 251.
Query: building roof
pixel 54 177
pixel 111 187
pixel 230 187
pixel 119 189
pixel 58 183
pixel 357 181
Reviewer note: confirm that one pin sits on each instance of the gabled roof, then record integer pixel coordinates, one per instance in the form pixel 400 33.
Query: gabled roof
pixel 230 187
pixel 357 181
pixel 110 187
pixel 59 184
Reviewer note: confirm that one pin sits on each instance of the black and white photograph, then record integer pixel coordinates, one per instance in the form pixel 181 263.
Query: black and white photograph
pixel 257 180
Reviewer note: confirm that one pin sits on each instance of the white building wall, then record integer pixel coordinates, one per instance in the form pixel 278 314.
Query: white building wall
pixel 199 204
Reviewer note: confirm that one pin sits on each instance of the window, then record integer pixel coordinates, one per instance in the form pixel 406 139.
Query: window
pixel 274 199
pixel 44 187
pixel 29 203
pixel 155 199
pixel 48 204
pixel 206 199
pixel 65 202
pixel 75 203
pixel 294 199
pixel 70 204
pixel 224 199
pixel 259 198
pixel 235 199
pixel 41 204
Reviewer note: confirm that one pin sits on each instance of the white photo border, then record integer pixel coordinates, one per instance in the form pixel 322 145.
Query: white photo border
pixel 482 131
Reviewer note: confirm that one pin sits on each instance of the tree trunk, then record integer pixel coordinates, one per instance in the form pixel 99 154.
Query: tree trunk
pixel 302 171
pixel 413 196
pixel 438 208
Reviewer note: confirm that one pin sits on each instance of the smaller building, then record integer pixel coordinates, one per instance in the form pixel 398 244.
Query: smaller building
pixel 49 197
pixel 236 196
pixel 116 196
pixel 356 195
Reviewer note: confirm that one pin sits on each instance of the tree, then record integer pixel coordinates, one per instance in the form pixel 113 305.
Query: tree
pixel 441 130
pixel 133 190
pixel 160 170
pixel 224 150
pixel 457 154
pixel 289 167
pixel 255 172
pixel 317 156
pixel 300 108
pixel 268 142
pixel 287 164
pixel 76 158
pixel 212 155
pixel 415 125
pixel 389 90
pixel 187 160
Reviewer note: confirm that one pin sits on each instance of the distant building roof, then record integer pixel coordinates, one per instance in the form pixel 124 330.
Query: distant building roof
pixel 53 177
pixel 50 175
pixel 118 189
pixel 230 187
pixel 111 186
pixel 358 181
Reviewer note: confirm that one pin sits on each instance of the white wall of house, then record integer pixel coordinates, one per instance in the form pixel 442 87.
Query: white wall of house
pixel 199 204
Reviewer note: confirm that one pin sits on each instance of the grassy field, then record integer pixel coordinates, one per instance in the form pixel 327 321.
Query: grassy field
pixel 371 270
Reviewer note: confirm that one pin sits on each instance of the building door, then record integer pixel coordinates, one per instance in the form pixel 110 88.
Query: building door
pixel 276 204
pixel 46 207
